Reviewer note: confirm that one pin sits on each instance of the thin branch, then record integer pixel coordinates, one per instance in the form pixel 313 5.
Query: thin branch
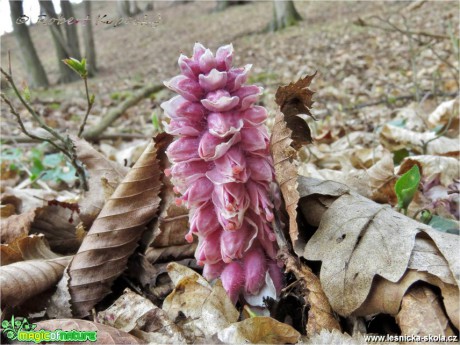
pixel 29 108
pixel 88 110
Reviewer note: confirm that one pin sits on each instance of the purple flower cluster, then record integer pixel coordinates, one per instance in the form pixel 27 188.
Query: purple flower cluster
pixel 222 167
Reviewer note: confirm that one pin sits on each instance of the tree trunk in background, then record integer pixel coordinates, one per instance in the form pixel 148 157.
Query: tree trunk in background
pixel 35 71
pixel 62 50
pixel 149 6
pixel 134 8
pixel 90 48
pixel 123 8
pixel 284 15
pixel 223 4
pixel 71 30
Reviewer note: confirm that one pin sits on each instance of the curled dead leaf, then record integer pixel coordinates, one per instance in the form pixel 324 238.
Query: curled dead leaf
pixel 21 280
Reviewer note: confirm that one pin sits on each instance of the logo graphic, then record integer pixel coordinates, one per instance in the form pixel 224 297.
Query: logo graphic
pixel 21 330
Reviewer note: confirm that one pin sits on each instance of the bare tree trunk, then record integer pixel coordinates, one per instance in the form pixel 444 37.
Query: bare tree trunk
pixel 62 50
pixel 149 6
pixel 71 30
pixel 284 14
pixel 90 48
pixel 134 8
pixel 123 8
pixel 35 71
pixel 223 4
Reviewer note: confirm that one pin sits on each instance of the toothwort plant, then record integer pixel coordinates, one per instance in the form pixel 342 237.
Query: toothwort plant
pixel 222 167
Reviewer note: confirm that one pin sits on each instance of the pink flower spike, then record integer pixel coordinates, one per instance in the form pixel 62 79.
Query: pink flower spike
pixel 219 101
pixel 224 56
pixel 186 87
pixel 232 280
pixel 213 80
pixel 223 171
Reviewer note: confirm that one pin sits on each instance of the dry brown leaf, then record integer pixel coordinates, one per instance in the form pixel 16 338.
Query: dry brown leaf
pixel 447 168
pixel 53 222
pixel 27 248
pixel 173 253
pixel 358 239
pixel 113 236
pixel 422 313
pixel 105 334
pixel 22 280
pixel 445 112
pixel 296 99
pixel 205 310
pixel 286 172
pixel 17 226
pixel 259 330
pixel 99 167
pixel 132 312
pixel 382 180
pixel 397 138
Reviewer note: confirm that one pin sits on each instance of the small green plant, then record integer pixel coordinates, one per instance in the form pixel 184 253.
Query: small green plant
pixel 406 187
pixel 48 167
pixel 156 122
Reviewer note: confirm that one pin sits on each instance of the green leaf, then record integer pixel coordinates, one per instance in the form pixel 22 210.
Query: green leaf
pixel 426 217
pixel 156 122
pixel 398 123
pixel 444 224
pixel 406 187
pixel 78 66
pixel 26 93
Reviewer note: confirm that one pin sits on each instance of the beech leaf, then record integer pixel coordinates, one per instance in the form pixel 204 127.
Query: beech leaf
pixel 113 237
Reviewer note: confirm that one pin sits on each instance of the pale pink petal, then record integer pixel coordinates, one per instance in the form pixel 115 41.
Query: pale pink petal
pixel 231 167
pixel 236 77
pixel 254 139
pixel 212 271
pixel 198 193
pixel 184 128
pixel 247 95
pixel 277 276
pixel 212 147
pixel 254 266
pixel 213 80
pixel 260 168
pixel 189 67
pixel 207 61
pixel 208 249
pixel 219 101
pixel 178 108
pixel 234 244
pixel 185 173
pixel 198 51
pixel 224 56
pixel 224 124
pixel 183 150
pixel 204 220
pixel 186 87
pixel 255 115
pixel 232 280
